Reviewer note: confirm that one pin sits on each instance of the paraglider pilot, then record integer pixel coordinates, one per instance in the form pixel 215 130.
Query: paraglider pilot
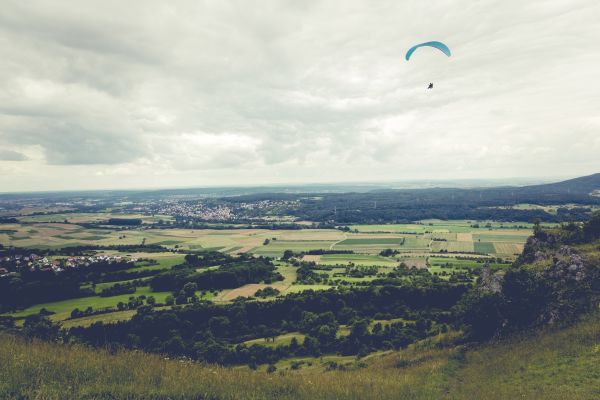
pixel 430 86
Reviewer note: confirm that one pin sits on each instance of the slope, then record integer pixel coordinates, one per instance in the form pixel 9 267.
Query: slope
pixel 556 364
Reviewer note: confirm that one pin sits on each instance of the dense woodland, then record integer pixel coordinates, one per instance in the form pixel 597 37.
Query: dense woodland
pixel 212 332
pixel 42 286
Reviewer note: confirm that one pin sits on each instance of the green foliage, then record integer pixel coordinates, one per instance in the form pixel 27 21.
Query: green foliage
pixel 267 292
pixel 40 328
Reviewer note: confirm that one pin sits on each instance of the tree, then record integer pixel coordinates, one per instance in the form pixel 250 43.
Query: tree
pixel 150 300
pixel 219 325
pixel 481 313
pixel 359 329
pixel 181 298
pixel 190 288
pixel 271 368
pixel 294 344
pixel 41 328
pixel 591 229
pixel 169 300
pixel 326 334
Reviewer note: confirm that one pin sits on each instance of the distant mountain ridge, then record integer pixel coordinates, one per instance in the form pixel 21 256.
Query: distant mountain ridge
pixel 582 185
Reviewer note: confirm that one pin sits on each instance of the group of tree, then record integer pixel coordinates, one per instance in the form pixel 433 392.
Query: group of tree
pixel 232 272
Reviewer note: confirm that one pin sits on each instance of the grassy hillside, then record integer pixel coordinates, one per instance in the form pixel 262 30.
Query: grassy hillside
pixel 559 364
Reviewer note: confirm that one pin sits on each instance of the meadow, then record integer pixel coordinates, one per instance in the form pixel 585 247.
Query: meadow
pixel 62 309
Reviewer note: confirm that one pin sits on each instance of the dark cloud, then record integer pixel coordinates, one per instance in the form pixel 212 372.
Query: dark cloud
pixel 9 155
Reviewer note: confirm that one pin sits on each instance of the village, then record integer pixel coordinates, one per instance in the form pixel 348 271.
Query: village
pixel 12 264
pixel 200 210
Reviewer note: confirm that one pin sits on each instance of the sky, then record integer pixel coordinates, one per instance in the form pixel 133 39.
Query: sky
pixel 144 94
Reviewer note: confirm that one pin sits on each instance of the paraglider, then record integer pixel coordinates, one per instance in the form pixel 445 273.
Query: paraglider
pixel 437 45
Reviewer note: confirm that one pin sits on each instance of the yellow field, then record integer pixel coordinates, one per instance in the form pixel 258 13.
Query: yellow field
pixel 508 248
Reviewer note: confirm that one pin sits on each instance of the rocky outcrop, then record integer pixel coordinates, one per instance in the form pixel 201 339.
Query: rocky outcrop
pixel 490 281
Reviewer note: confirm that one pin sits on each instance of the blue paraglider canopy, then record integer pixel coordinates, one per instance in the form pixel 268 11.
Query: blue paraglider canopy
pixel 438 45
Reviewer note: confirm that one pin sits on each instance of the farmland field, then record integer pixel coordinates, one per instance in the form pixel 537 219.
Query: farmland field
pixel 357 259
pixel 451 236
pixel 417 245
pixel 508 248
pixel 63 308
pixel 484 247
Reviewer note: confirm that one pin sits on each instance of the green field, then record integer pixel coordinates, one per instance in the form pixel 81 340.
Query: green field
pixel 369 241
pixel 357 259
pixel 63 308
pixel 302 288
pixel 484 247
pixel 281 340
pixel 456 263
pixel 78 218
pixel 276 248
pixel 494 237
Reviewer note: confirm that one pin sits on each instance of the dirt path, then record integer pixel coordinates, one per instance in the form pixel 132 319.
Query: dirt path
pixel 339 241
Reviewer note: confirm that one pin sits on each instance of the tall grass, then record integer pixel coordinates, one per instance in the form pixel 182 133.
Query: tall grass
pixel 563 364
pixel 39 370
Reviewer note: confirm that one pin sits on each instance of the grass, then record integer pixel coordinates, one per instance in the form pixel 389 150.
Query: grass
pixel 456 263
pixel 105 318
pixel 513 238
pixel 281 340
pixel 91 217
pixel 276 248
pixel 63 308
pixel 554 365
pixel 163 260
pixel 374 241
pixel 302 288
pixel 484 247
pixel 357 259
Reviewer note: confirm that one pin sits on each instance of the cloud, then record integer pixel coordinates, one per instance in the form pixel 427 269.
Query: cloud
pixel 228 92
pixel 9 155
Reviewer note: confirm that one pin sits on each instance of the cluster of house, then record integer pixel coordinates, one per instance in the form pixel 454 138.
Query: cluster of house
pixel 220 212
pixel 196 210
pixel 268 204
pixel 9 265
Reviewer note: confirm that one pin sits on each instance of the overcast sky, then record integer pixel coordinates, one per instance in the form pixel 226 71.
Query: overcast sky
pixel 123 94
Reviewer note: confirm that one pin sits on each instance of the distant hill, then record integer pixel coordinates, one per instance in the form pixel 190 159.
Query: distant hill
pixel 401 205
pixel 581 185
pixel 371 203
pixel 584 185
